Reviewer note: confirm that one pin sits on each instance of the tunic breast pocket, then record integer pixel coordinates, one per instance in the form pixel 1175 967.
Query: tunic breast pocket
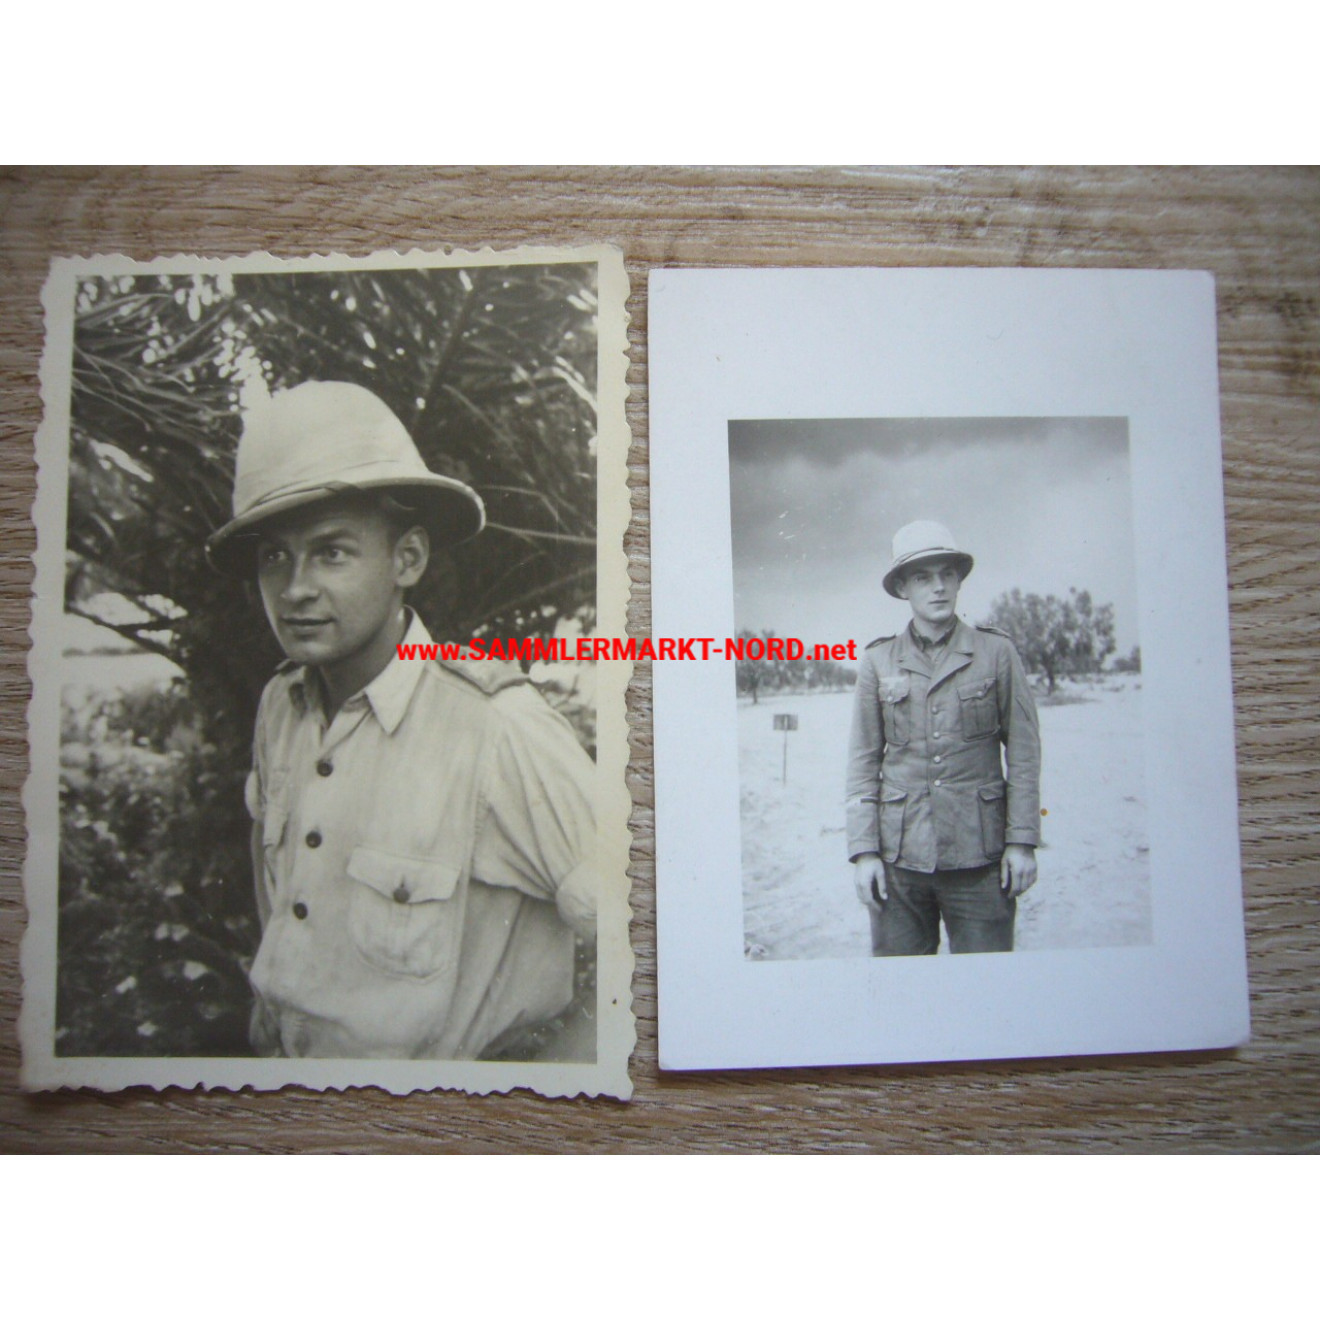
pixel 979 705
pixel 405 914
pixel 896 706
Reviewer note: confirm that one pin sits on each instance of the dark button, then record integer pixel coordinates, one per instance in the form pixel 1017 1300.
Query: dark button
pixel 401 893
pixel 300 911
pixel 314 839
pixel 324 768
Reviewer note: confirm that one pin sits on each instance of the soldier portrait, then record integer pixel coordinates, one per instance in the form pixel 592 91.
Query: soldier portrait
pixel 971 782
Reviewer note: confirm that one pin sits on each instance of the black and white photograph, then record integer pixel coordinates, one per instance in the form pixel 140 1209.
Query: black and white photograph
pixel 324 790
pixel 975 759
pixel 958 782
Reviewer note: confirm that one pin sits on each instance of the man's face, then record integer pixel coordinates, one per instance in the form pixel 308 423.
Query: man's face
pixel 932 591
pixel 332 578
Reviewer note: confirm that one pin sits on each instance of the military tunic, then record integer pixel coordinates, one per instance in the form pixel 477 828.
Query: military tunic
pixel 427 856
pixel 927 786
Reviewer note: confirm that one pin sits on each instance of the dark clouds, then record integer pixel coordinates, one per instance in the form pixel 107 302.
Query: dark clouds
pixel 1043 503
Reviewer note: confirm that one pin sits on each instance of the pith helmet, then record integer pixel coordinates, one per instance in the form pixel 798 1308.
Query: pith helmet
pixel 321 439
pixel 920 541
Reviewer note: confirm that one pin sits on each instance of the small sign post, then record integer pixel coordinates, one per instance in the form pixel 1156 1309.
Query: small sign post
pixel 789 725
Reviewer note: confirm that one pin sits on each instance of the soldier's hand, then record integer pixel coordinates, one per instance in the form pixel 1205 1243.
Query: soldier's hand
pixel 1017 869
pixel 869 877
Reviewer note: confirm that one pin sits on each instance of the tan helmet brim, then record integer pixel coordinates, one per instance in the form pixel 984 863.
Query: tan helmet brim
pixel 451 512
pixel 964 563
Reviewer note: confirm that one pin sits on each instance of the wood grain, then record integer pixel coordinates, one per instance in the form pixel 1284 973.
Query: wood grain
pixel 1257 230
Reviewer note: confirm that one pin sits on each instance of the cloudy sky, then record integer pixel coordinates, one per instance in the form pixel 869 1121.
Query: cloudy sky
pixel 1043 504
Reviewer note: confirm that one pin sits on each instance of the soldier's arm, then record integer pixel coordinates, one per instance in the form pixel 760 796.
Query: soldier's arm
pixel 865 755
pixel 540 832
pixel 1021 735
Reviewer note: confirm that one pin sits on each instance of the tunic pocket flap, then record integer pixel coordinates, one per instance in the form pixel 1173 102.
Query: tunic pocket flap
pixel 990 792
pixel 894 689
pixel 974 691
pixel 401 878
pixel 893 794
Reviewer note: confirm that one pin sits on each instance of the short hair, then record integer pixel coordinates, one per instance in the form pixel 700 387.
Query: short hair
pixel 399 517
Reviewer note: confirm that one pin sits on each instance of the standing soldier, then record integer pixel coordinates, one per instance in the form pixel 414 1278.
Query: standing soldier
pixel 939 824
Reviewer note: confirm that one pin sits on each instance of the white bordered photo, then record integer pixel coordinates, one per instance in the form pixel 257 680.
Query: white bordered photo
pixel 961 784
pixel 275 835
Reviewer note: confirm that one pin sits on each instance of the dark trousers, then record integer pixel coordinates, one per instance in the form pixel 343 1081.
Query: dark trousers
pixel 977 913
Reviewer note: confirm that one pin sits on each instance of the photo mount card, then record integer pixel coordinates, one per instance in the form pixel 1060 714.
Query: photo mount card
pixel 428 889
pixel 1062 429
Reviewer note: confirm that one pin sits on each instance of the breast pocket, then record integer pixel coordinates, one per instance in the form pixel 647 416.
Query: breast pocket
pixel 979 706
pixel 896 705
pixel 405 913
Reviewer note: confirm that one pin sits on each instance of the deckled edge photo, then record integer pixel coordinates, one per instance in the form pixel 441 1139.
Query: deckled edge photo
pixel 44 1067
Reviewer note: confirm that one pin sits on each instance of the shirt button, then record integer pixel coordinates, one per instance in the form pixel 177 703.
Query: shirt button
pixel 300 911
pixel 314 839
pixel 324 768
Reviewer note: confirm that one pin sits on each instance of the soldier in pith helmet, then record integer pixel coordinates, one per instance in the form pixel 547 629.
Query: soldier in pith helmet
pixel 423 832
pixel 943 792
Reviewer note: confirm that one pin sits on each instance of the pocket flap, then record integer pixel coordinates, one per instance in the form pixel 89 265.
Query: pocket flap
pixel 972 691
pixel 401 878
pixel 894 689
pixel 990 792
pixel 888 794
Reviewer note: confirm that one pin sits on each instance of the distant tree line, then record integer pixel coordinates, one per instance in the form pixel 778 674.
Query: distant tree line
pixel 1059 638
pixel 757 678
pixel 1056 638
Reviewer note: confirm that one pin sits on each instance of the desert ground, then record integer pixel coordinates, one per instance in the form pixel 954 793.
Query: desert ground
pixel 1094 885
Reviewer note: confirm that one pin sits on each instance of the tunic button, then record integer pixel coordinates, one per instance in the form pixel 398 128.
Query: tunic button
pixel 324 768
pixel 937 760
pixel 300 911
pixel 401 893
pixel 314 839
pixel 938 782
pixel 936 734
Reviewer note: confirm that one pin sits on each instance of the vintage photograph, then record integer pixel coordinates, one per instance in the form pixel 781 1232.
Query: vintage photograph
pixel 975 761
pixel 956 778
pixel 321 790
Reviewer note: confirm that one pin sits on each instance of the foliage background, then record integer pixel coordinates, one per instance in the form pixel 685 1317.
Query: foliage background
pixel 493 369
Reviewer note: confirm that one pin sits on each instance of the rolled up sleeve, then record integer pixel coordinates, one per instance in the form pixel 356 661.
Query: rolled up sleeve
pixel 537 832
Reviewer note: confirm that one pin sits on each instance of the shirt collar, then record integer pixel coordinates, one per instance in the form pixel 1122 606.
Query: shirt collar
pixel 388 694
pixel 927 646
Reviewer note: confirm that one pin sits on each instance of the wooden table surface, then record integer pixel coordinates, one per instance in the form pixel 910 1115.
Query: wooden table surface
pixel 1257 230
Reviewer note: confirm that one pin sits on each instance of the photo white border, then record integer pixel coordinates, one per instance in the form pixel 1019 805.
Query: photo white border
pixel 782 344
pixel 42 1068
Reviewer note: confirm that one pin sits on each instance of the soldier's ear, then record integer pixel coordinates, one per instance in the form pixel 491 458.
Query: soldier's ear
pixel 412 552
pixel 900 586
